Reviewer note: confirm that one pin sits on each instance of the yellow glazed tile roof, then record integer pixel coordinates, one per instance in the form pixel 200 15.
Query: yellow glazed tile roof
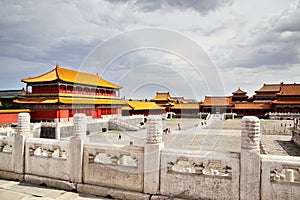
pixel 269 88
pixel 142 105
pixel 126 107
pixel 239 92
pixel 37 100
pixel 287 102
pixel 90 101
pixel 217 101
pixel 162 97
pixel 14 111
pixel 289 89
pixel 71 76
pixel 69 101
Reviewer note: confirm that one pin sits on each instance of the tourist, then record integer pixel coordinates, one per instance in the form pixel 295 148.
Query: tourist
pixel 120 137
pixel 179 128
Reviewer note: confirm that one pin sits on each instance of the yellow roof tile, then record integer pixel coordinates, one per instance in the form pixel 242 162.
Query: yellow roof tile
pixel 37 100
pixel 126 107
pixel 287 102
pixel 90 101
pixel 66 100
pixel 289 89
pixel 217 101
pixel 71 76
pixel 239 92
pixel 14 111
pixel 269 88
pixel 142 105
pixel 162 97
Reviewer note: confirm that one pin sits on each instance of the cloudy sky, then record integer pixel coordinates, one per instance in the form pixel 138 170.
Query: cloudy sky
pixel 190 48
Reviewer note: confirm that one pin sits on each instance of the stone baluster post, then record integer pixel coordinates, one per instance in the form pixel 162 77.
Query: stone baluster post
pixel 23 131
pixel 57 130
pixel 76 147
pixel 153 148
pixel 250 159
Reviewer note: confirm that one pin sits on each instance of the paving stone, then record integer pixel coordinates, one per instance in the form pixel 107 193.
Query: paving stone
pixel 35 191
pixel 114 193
pixel 10 195
pixel 77 196
pixel 195 137
pixel 13 190
pixel 6 183
pixel 279 145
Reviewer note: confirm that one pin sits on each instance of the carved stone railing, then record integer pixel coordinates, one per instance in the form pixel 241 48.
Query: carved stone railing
pixel 6 156
pixel 54 151
pixel 184 175
pixel 210 168
pixel 280 177
pixel 118 123
pixel 114 158
pixel 47 157
pixel 6 144
pixel 296 137
pixel 283 115
pixel 102 164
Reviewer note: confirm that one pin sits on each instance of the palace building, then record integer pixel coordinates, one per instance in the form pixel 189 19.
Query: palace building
pixel 288 99
pixel 239 96
pixel 189 110
pixel 60 93
pixel 217 104
pixel 267 92
pixel 281 97
pixel 142 108
pixel 163 99
pixel 258 109
pixel 177 106
pixel 243 106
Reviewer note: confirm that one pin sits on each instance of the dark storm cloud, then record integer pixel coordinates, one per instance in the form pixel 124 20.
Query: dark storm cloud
pixel 201 6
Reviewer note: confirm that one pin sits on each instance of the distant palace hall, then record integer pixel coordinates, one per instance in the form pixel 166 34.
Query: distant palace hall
pixel 60 93
pixel 269 98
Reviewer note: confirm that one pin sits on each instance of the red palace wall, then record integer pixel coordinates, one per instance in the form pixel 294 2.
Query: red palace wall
pixel 62 113
pixel 8 118
pixel 43 115
pixel 50 115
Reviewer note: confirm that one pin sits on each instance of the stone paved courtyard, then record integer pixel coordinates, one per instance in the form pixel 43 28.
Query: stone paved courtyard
pixel 193 136
pixel 13 190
